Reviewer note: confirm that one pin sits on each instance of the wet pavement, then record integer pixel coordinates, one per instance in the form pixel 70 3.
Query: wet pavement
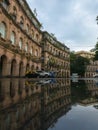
pixel 48 104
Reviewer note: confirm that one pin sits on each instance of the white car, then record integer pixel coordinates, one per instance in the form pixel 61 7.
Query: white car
pixel 43 74
pixel 95 76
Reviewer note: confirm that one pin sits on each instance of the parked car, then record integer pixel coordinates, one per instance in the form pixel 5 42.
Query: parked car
pixel 40 74
pixel 95 76
pixel 33 74
pixel 43 74
pixel 52 74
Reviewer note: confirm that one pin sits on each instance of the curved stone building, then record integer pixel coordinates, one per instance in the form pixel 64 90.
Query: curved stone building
pixel 56 56
pixel 20 37
pixel 24 47
pixel 91 69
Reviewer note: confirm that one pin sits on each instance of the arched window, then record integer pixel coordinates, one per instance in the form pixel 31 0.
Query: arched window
pixel 31 50
pixel 37 37
pixel 21 22
pixel 3 30
pixel 36 52
pixel 32 33
pixel 14 12
pixel 20 43
pixel 13 38
pixel 26 47
pixel 51 49
pixel 27 28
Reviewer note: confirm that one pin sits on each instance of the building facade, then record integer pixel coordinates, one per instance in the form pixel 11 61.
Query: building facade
pixel 91 69
pixel 56 101
pixel 55 56
pixel 92 91
pixel 20 37
pixel 24 47
pixel 86 54
pixel 25 97
pixel 29 105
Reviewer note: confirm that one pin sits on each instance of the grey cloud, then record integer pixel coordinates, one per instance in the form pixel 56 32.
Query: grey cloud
pixel 70 20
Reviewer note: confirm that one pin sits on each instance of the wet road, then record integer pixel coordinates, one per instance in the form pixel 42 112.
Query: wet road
pixel 48 104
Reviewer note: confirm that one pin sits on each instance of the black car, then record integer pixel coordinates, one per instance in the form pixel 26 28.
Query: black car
pixel 32 74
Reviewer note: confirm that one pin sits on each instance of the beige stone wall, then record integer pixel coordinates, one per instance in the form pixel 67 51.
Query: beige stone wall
pixel 60 58
pixel 91 69
pixel 32 38
pixel 26 52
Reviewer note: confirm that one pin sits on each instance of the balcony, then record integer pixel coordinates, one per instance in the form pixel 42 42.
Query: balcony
pixel 36 59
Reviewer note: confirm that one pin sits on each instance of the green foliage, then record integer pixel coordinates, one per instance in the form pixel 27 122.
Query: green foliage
pixel 96 55
pixel 78 64
pixel 96 52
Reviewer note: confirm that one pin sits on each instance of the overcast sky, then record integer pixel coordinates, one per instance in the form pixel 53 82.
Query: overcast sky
pixel 72 21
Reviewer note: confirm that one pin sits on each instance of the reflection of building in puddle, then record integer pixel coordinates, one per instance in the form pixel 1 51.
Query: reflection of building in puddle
pixel 31 105
pixel 92 87
pixel 55 102
pixel 16 90
pixel 74 79
pixel 20 102
pixel 15 117
pixel 92 90
pixel 96 106
pixel 88 101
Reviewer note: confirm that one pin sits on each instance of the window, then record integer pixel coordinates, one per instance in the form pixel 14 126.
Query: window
pixel 36 52
pixel 37 37
pixel 51 49
pixel 21 22
pixel 3 30
pixel 20 43
pixel 13 38
pixel 27 28
pixel 26 47
pixel 31 50
pixel 14 12
pixel 32 33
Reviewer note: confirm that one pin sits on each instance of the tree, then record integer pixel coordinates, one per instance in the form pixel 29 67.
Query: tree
pixel 78 64
pixel 96 46
pixel 96 52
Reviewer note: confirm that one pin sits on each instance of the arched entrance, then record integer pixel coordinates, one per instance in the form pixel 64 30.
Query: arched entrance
pixel 32 68
pixel 13 67
pixel 3 65
pixel 27 68
pixel 21 69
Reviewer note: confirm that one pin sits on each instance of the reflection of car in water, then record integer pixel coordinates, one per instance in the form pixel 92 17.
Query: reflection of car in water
pixel 95 81
pixel 95 76
pixel 74 79
pixel 74 75
pixel 96 106
pixel 46 81
pixel 42 81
